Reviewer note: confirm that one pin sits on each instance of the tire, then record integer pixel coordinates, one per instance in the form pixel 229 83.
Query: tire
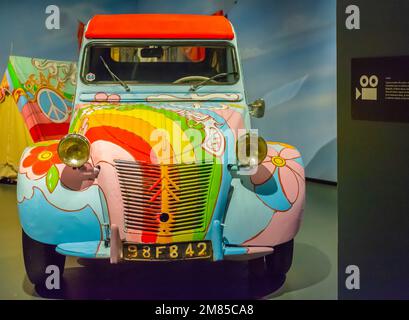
pixel 257 268
pixel 37 257
pixel 279 262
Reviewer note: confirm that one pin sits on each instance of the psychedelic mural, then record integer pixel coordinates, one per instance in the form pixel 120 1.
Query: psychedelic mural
pixel 43 90
pixel 36 99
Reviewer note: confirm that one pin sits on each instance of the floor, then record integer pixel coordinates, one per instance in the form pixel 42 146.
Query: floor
pixel 313 274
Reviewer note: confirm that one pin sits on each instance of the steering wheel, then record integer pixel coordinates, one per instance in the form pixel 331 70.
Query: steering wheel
pixel 191 78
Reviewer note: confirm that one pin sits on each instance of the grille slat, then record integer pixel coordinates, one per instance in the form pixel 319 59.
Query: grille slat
pixel 194 184
pixel 134 206
pixel 145 188
pixel 184 207
pixel 189 192
pixel 137 227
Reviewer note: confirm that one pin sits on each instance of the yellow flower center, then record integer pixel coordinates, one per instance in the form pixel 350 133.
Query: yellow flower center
pixel 278 161
pixel 45 155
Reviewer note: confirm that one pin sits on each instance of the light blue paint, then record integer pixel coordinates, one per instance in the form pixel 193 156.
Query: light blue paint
pixel 45 223
pixel 219 210
pixel 233 251
pixel 272 194
pixel 217 240
pixel 85 249
pixel 141 96
pixel 105 213
pixel 246 215
pixel 61 197
pixel 299 161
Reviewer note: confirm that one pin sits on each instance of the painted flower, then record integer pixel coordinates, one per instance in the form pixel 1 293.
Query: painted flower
pixel 41 158
pixel 290 172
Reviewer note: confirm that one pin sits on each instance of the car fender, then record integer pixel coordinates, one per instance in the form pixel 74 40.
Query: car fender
pixel 266 207
pixel 49 212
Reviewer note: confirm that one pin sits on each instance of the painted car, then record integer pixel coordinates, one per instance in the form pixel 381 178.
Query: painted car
pixel 160 162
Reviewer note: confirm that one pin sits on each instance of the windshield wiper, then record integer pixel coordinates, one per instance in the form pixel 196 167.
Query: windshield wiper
pixel 114 76
pixel 194 87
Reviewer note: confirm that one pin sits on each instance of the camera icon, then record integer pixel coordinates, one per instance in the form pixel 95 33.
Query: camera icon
pixel 368 90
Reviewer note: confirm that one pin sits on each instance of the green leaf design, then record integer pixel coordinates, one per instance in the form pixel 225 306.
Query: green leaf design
pixel 52 178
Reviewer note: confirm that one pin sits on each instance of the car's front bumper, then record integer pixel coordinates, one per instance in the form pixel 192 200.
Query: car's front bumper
pixel 113 249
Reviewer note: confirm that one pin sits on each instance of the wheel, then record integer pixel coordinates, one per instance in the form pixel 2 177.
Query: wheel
pixel 37 257
pixel 279 262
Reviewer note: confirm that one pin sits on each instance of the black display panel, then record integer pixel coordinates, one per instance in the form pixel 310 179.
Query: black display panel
pixel 380 88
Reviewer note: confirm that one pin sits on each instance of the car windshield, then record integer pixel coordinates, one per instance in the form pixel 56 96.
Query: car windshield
pixel 160 64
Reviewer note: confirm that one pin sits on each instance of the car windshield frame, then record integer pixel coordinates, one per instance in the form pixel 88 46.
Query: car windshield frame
pixel 159 42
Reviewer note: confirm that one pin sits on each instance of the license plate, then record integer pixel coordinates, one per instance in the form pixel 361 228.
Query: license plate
pixel 171 251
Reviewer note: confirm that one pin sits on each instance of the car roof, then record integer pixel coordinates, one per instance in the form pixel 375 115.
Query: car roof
pixel 159 26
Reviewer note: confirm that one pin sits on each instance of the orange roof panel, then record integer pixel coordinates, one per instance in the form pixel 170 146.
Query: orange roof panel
pixel 159 26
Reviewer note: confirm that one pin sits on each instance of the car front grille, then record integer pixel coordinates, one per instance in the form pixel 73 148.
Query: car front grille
pixel 164 199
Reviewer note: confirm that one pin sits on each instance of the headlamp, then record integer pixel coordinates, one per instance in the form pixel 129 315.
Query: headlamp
pixel 74 150
pixel 251 149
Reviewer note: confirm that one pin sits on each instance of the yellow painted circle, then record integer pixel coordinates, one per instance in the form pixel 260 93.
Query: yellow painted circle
pixel 45 155
pixel 278 161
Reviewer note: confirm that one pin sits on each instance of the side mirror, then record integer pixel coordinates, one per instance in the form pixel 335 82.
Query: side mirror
pixel 257 108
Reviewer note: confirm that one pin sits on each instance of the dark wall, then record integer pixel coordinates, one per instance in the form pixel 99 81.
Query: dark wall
pixel 373 162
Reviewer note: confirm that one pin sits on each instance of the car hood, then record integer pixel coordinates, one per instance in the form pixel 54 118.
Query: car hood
pixel 161 132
